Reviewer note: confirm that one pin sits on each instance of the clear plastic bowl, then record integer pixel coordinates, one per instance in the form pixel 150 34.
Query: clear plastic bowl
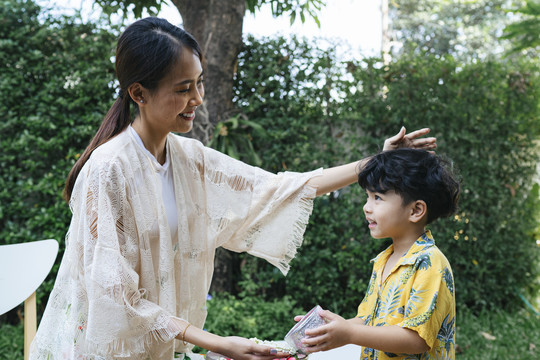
pixel 310 321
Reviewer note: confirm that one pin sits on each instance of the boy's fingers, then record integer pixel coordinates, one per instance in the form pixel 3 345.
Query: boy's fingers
pixel 326 315
pixel 310 341
pixel 321 330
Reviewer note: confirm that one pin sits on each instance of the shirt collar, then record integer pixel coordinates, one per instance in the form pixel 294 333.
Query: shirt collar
pixel 424 242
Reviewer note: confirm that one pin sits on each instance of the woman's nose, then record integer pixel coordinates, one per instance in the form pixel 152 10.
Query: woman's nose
pixel 197 98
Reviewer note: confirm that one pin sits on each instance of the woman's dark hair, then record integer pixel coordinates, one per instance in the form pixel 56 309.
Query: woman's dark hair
pixel 414 175
pixel 145 53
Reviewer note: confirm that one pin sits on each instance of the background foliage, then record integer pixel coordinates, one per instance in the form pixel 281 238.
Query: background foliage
pixel 57 83
pixel 55 86
pixel 465 29
pixel 525 32
pixel 485 115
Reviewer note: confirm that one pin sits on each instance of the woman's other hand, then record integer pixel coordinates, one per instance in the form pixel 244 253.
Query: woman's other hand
pixel 239 348
pixel 410 140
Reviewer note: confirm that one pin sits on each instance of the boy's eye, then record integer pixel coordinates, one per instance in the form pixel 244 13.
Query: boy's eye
pixel 377 197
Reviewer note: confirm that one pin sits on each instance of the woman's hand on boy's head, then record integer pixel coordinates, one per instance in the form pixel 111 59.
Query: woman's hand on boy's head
pixel 410 140
pixel 330 336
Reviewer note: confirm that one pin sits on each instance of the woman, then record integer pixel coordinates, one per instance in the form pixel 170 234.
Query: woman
pixel 150 208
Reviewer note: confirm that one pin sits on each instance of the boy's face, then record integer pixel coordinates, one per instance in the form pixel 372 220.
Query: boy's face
pixel 386 215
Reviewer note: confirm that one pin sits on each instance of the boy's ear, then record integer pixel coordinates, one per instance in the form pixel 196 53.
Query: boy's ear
pixel 418 211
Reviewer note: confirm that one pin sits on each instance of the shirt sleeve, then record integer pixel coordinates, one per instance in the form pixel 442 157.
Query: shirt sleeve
pixel 256 211
pixel 119 318
pixel 431 299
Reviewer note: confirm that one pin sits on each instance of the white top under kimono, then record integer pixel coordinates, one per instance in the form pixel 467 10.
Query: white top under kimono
pixel 123 277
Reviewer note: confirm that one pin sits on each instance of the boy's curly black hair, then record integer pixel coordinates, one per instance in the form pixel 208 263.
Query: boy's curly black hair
pixel 414 175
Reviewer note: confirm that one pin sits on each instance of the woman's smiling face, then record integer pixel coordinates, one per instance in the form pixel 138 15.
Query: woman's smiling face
pixel 171 107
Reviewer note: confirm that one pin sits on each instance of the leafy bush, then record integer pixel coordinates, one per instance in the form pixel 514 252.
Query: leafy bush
pixel 11 342
pixel 485 115
pixel 251 316
pixel 56 84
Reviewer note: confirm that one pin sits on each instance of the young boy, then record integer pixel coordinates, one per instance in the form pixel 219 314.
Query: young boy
pixel 409 309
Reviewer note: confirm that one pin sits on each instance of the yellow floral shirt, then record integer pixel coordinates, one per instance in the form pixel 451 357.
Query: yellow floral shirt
pixel 418 294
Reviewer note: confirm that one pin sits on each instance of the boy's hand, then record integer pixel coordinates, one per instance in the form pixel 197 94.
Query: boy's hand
pixel 411 140
pixel 332 335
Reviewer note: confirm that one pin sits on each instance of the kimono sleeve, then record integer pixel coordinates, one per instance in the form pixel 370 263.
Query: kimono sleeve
pixel 258 212
pixel 120 320
pixel 430 307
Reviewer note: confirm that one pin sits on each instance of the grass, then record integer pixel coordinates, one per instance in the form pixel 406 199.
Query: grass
pixel 488 336
pixel 498 335
pixel 11 342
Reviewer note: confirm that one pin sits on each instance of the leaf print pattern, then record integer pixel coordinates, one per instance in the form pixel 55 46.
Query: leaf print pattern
pixel 368 319
pixel 423 262
pixel 368 353
pixel 448 279
pixel 414 297
pixel 446 333
pixel 425 239
pixel 407 275
pixel 390 302
pixel 422 318
pixel 371 284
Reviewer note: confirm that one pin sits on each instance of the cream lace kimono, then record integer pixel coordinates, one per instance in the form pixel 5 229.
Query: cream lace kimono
pixel 123 278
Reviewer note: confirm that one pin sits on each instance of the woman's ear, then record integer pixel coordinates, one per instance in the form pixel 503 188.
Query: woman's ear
pixel 418 211
pixel 137 93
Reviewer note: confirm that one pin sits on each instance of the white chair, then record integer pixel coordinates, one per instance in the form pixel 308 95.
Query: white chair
pixel 23 267
pixel 347 352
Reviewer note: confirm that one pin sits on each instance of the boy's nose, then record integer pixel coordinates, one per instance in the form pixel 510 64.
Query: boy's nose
pixel 366 208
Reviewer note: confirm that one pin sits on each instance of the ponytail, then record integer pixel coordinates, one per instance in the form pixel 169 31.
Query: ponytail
pixel 117 119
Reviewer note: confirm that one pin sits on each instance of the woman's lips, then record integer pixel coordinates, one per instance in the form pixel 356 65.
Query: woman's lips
pixel 188 115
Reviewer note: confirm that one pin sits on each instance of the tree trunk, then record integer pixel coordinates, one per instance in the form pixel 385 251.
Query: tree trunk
pixel 217 26
pixel 385 39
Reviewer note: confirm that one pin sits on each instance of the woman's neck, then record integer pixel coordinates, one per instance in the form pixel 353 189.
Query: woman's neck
pixel 154 143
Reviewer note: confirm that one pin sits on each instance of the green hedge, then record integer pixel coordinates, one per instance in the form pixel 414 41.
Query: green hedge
pixel 57 83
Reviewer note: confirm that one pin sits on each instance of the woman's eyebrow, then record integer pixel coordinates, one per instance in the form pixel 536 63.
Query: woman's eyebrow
pixel 188 81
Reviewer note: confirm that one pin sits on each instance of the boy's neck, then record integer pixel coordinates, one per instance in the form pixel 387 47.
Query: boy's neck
pixel 404 243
